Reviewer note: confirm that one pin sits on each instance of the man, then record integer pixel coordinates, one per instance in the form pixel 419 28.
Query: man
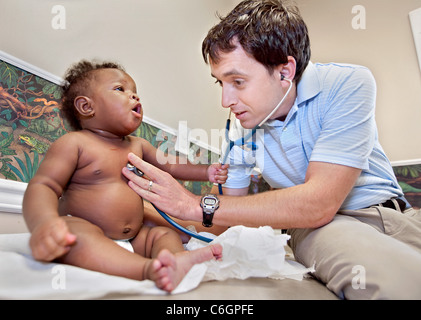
pixel 335 190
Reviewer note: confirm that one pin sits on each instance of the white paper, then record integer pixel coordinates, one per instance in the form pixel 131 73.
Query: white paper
pixel 251 252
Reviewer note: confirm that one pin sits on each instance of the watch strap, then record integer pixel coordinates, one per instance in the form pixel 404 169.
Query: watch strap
pixel 207 219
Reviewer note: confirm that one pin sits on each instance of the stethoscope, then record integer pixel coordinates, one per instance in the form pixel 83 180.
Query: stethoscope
pixel 243 141
pixel 230 144
pixel 140 173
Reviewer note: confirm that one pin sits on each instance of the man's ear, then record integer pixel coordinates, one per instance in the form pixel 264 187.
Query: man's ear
pixel 287 70
pixel 84 106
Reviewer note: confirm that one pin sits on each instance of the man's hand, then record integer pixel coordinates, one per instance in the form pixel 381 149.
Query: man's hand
pixel 161 189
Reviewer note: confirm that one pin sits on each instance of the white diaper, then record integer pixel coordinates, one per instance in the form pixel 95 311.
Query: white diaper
pixel 125 244
pixel 122 243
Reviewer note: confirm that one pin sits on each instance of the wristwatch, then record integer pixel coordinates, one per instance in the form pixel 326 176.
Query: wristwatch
pixel 209 204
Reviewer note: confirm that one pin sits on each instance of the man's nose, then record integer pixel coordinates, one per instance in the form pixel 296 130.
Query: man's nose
pixel 228 98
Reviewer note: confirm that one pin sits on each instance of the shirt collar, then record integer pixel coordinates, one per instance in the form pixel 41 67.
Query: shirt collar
pixel 309 85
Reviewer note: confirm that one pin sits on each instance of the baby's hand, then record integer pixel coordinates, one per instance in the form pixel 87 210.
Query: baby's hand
pixel 51 240
pixel 218 173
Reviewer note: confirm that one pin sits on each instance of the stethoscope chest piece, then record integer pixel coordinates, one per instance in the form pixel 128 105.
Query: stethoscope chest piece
pixel 135 170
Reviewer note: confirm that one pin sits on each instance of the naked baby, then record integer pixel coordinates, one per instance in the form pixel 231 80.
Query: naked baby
pixel 79 207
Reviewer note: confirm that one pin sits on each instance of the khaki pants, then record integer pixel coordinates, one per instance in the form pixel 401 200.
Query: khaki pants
pixel 372 253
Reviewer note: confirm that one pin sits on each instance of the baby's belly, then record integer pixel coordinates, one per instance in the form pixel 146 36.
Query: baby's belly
pixel 115 208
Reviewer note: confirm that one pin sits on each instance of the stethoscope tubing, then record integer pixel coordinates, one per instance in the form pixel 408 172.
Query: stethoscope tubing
pixel 242 141
pixel 181 228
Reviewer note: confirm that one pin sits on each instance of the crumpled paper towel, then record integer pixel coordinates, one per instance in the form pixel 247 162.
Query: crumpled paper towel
pixel 251 252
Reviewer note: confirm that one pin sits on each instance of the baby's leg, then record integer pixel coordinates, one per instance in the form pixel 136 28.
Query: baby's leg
pixel 171 262
pixel 95 251
pixel 168 269
pixel 152 240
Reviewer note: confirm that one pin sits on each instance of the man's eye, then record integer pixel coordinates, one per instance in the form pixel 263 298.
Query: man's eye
pixel 219 82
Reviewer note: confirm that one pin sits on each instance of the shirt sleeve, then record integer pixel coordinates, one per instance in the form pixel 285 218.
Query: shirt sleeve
pixel 348 130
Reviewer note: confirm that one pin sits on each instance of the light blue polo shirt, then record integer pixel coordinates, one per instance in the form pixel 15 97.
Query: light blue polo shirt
pixel 332 120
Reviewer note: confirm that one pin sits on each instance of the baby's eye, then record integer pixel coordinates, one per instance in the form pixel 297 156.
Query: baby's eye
pixel 119 88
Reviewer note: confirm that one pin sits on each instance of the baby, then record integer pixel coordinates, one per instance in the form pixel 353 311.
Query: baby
pixel 79 207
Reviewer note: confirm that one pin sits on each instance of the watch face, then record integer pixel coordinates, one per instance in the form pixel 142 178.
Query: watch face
pixel 209 201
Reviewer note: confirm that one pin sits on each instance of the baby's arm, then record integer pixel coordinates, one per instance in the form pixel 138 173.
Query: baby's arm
pixel 50 236
pixel 181 168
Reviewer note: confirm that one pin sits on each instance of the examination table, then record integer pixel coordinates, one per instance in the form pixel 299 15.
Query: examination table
pixel 21 277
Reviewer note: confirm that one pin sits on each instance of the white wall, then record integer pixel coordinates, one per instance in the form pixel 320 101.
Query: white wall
pixel 387 47
pixel 159 42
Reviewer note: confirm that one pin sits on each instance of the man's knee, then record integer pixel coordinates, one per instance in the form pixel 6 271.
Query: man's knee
pixel 383 282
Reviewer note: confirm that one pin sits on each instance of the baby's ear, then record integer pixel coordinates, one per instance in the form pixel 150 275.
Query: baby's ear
pixel 84 106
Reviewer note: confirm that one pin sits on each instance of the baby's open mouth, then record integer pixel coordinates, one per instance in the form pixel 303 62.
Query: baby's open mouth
pixel 137 109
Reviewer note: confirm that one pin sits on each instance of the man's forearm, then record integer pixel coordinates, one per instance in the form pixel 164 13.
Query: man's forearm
pixel 294 207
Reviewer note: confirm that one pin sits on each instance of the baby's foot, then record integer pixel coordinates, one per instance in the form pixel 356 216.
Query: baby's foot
pixel 168 269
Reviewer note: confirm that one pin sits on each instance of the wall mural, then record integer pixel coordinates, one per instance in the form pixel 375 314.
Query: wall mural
pixel 409 178
pixel 30 121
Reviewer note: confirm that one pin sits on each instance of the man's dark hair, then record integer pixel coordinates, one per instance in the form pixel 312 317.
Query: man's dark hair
pixel 268 30
pixel 76 83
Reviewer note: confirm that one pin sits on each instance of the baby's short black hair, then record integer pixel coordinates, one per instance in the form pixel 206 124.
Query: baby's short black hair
pixel 76 82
